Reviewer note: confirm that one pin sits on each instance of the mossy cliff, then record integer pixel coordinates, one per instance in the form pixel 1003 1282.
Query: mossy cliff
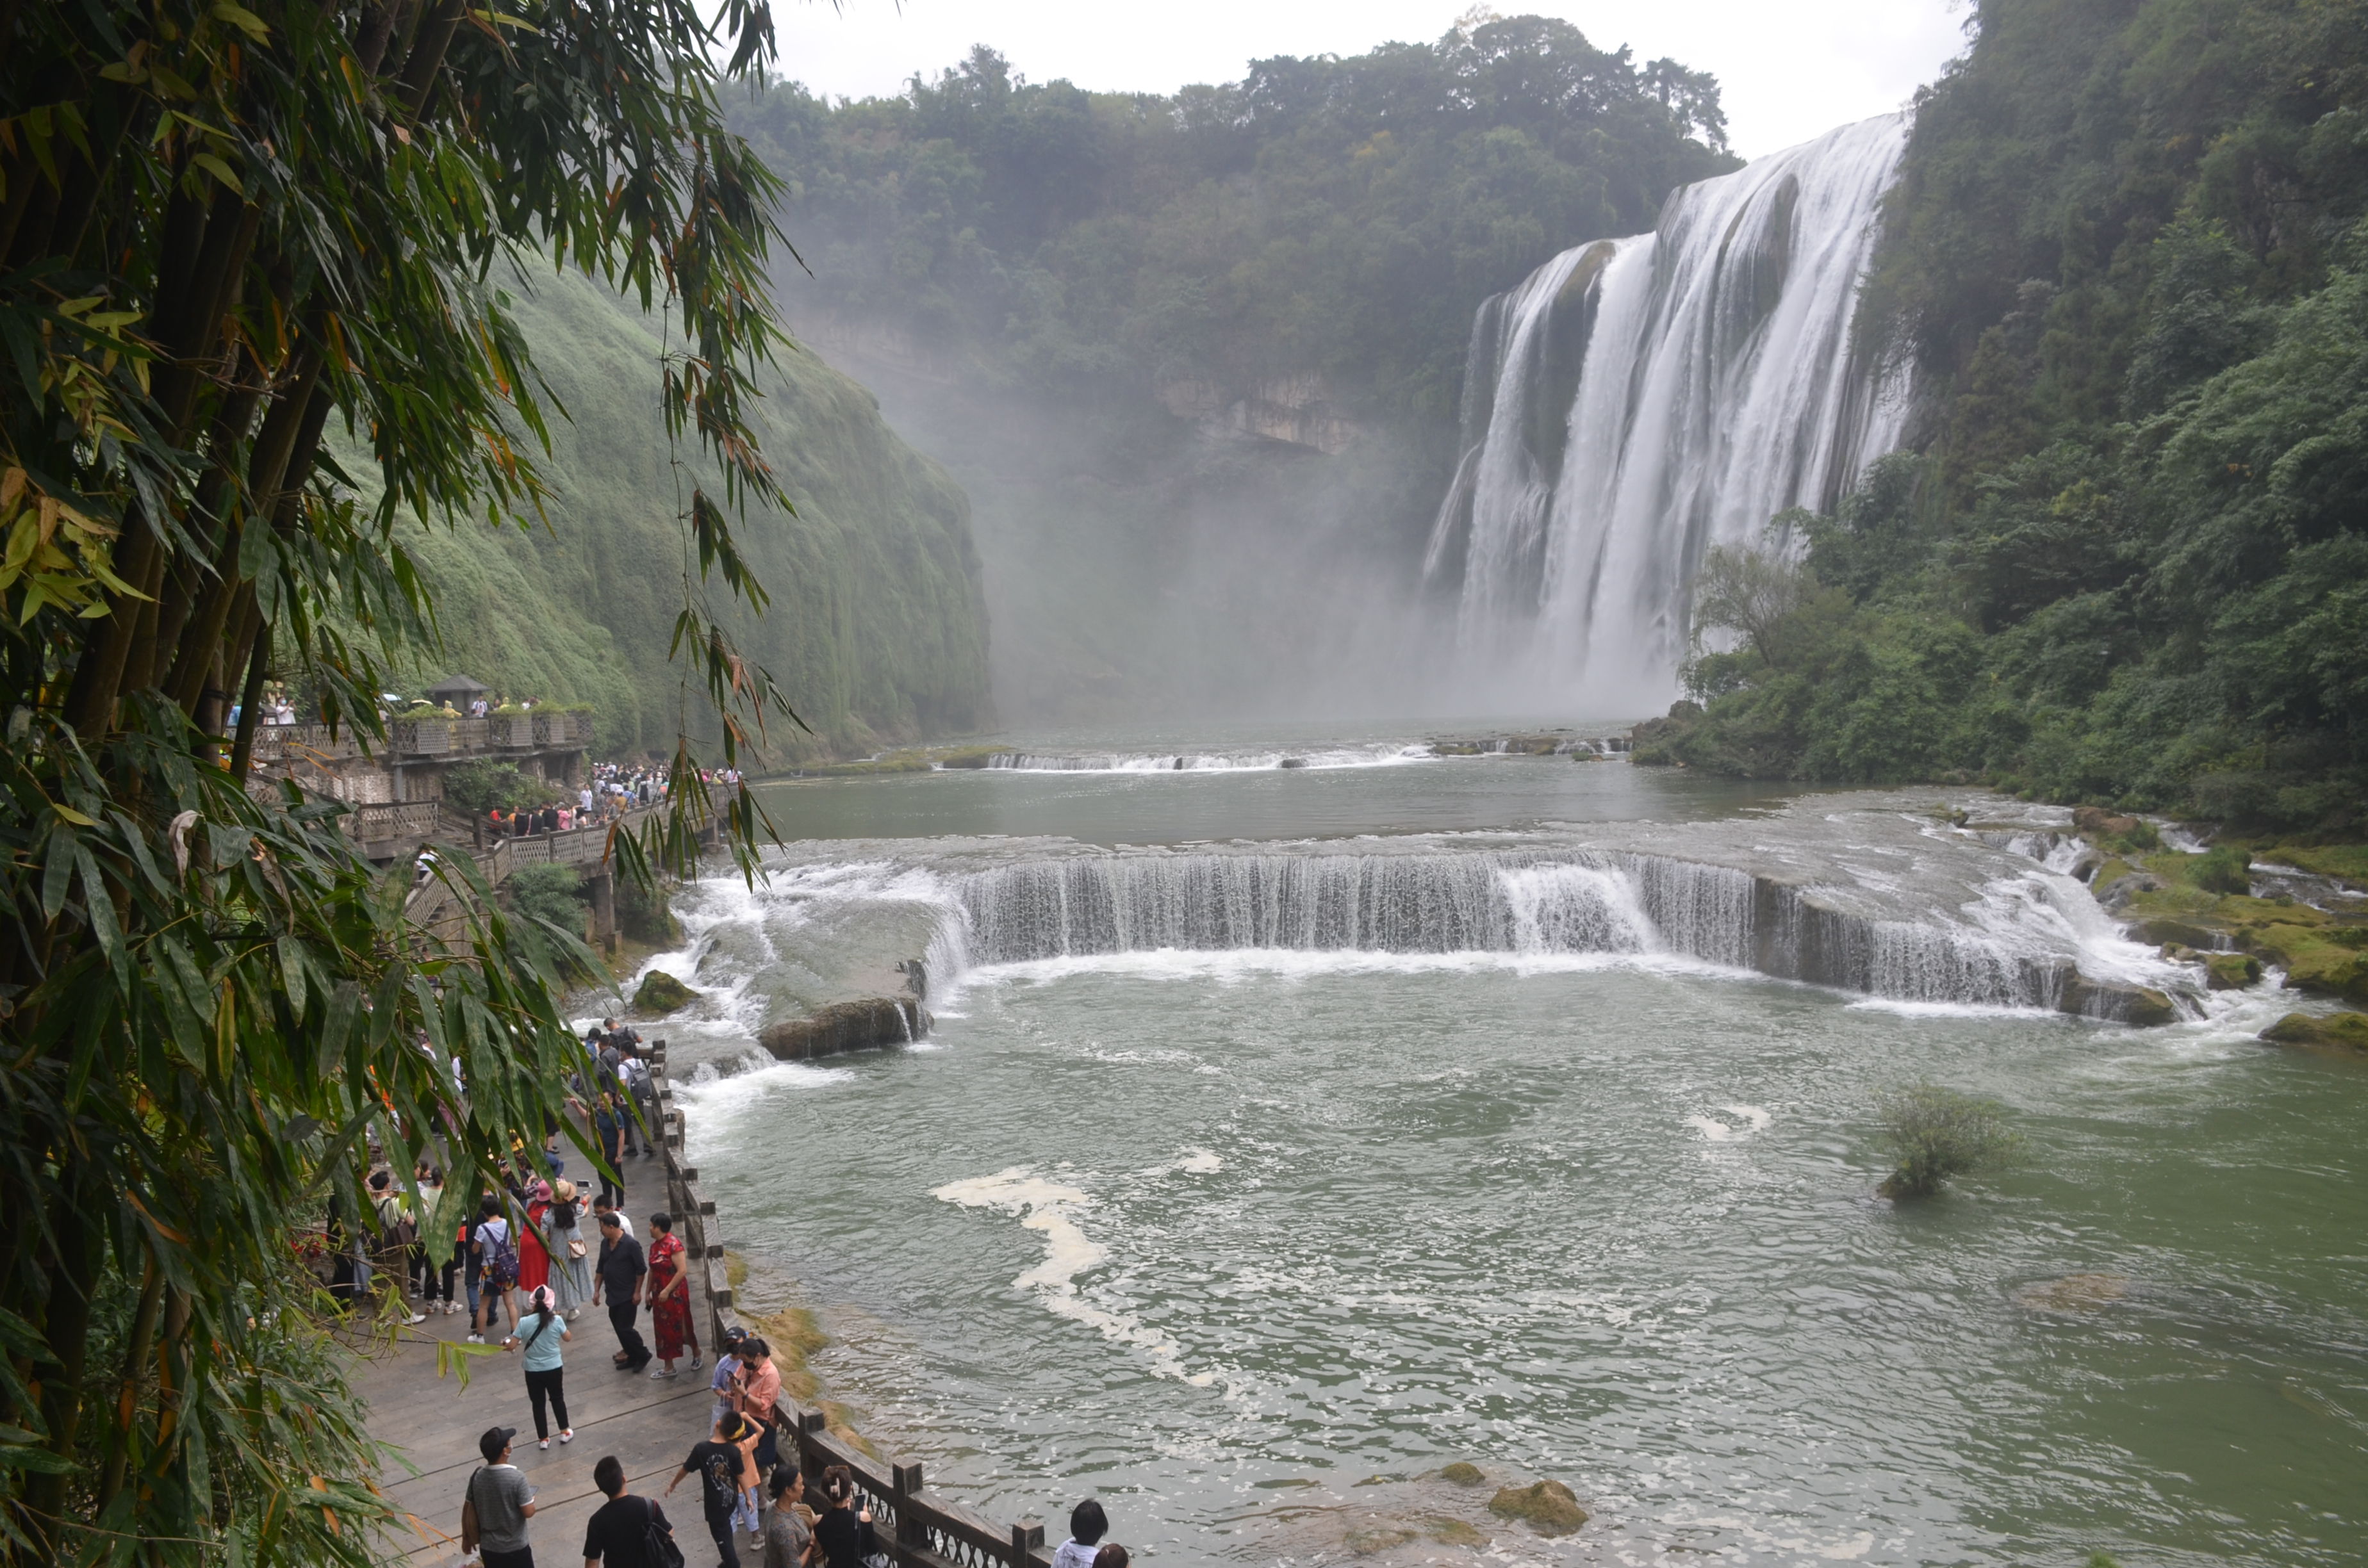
pixel 877 628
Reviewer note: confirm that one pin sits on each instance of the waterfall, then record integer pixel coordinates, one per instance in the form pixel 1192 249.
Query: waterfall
pixel 1634 401
pixel 1510 902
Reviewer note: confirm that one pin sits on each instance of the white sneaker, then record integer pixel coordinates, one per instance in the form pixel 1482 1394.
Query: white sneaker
pixel 544 1444
pixel 476 1340
pixel 418 1318
pixel 567 1435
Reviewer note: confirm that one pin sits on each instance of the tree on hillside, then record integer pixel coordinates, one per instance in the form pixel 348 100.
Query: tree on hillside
pixel 1341 215
pixel 227 229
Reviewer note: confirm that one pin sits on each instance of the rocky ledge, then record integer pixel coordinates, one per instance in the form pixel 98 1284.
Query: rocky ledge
pixel 858 1025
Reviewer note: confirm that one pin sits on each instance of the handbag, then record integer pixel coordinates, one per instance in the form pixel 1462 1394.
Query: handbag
pixel 575 1246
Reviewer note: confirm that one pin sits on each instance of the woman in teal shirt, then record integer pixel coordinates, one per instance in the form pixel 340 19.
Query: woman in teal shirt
pixel 541 1334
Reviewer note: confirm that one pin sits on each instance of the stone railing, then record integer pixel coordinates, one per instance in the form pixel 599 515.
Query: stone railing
pixel 392 822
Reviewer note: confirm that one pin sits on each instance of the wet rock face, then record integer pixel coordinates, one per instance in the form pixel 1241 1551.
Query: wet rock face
pixel 2343 1032
pixel 2139 1004
pixel 661 992
pixel 1549 1506
pixel 2231 972
pixel 848 1026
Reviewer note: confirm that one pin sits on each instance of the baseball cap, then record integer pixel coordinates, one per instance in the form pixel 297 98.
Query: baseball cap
pixel 495 1439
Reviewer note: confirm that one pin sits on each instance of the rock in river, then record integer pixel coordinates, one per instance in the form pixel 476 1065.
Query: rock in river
pixel 2344 1032
pixel 1550 1507
pixel 661 992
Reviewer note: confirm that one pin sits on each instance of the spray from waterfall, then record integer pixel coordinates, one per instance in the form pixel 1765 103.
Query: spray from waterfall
pixel 1635 402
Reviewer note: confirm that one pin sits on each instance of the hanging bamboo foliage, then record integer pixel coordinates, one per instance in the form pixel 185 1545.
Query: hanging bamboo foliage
pixel 227 231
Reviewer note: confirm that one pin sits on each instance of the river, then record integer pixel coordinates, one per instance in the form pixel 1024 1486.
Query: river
pixel 1333 1123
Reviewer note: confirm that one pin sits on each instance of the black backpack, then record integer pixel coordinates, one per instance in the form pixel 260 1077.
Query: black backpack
pixel 658 1550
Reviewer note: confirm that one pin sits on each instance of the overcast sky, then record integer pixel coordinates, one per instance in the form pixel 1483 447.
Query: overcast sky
pixel 1788 70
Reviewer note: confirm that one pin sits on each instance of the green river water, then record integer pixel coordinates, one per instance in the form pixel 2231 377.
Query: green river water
pixel 1250 1242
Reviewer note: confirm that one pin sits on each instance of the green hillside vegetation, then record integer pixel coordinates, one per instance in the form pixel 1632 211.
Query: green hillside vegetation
pixel 1331 215
pixel 2129 561
pixel 1023 269
pixel 877 631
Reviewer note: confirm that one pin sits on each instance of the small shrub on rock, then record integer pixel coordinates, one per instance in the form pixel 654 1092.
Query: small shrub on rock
pixel 1935 1134
pixel 2224 868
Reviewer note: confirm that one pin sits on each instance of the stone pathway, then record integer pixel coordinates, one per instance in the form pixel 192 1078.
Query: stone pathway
pixel 434 1422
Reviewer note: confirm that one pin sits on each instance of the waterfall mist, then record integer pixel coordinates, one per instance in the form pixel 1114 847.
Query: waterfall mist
pixel 1264 552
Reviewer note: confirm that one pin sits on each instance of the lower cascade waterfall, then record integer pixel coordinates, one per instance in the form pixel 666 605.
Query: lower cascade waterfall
pixel 1635 402
pixel 1479 902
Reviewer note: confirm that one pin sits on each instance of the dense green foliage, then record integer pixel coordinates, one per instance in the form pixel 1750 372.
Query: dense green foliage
pixel 548 892
pixel 226 230
pixel 1321 215
pixel 480 785
pixel 1059 292
pixel 876 629
pixel 2126 258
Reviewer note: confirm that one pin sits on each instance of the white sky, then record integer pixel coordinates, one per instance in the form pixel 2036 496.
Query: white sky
pixel 1788 69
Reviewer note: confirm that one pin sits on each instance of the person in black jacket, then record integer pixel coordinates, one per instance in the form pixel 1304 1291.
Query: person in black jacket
pixel 620 1273
pixel 618 1535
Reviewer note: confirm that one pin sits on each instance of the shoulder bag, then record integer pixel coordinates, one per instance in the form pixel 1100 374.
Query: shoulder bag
pixel 658 1550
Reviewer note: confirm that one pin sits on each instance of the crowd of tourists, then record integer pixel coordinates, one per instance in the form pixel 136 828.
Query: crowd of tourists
pixel 742 1485
pixel 530 1257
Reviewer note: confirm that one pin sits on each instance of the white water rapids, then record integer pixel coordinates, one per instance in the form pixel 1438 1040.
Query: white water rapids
pixel 1635 402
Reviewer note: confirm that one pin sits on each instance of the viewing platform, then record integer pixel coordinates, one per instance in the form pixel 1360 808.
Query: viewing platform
pixel 433 1423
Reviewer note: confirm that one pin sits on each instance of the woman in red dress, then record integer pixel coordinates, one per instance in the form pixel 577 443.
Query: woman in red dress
pixel 534 1262
pixel 670 1296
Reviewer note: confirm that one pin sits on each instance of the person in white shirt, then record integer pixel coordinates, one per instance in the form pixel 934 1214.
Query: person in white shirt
pixel 1087 1525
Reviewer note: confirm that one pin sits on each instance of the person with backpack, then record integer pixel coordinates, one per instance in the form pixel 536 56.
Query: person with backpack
pixel 720 1463
pixel 644 1092
pixel 541 1339
pixel 498 1263
pixel 393 1236
pixel 627 1531
pixel 614 1082
pixel 496 1506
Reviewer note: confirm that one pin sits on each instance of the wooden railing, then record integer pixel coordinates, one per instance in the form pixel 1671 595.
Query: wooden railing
pixel 916 1527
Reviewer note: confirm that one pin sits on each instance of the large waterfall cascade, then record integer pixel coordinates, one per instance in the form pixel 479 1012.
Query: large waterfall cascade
pixel 1519 902
pixel 1866 893
pixel 1635 402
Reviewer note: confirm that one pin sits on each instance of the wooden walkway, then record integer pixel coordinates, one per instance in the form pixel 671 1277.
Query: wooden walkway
pixel 647 1423
pixel 434 1422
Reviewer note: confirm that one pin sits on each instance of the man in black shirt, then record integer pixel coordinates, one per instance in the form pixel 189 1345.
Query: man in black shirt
pixel 618 1536
pixel 620 1273
pixel 718 1462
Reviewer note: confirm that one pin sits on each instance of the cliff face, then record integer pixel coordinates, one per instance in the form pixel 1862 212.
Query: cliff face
pixel 877 628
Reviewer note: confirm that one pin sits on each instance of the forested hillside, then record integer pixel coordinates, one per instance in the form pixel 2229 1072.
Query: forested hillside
pixel 876 629
pixel 2128 558
pixel 1195 358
